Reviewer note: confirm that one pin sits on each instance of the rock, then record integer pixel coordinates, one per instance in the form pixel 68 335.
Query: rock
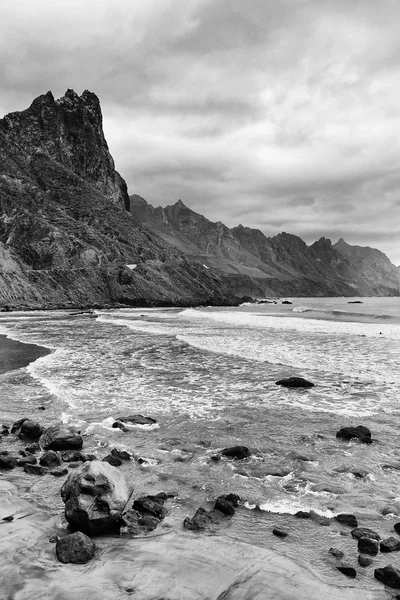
pixel 119 425
pixel 35 469
pixel 61 437
pixel 227 503
pixel 74 465
pixel 76 548
pixel 320 519
pixel 388 575
pixel 215 457
pixel 336 553
pixel 121 454
pixel 143 514
pixel 236 452
pixel 346 519
pixel 41 408
pixel 33 449
pixel 95 495
pixel 347 570
pixel 112 460
pixel 360 532
pixel 361 433
pixel 396 527
pixel 286 302
pixel 72 456
pixel 27 429
pixel 390 544
pixel 4 430
pixel 53 539
pixel 50 459
pixel 364 561
pixel 59 472
pixel 7 462
pixel 26 460
pixel 368 545
pixel 280 533
pixel 302 514
pixel 202 520
pixel 295 382
pixel 389 510
pixel 137 420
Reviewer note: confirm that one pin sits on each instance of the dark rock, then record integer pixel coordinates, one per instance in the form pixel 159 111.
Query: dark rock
pixel 388 575
pixel 347 570
pixel 396 527
pixel 202 520
pixel 112 460
pixel 61 437
pixel 26 460
pixel 4 430
pixel 137 420
pixel 336 553
pixel 76 548
pixel 368 545
pixel 320 519
pixel 50 459
pixel 27 429
pixel 119 425
pixel 279 533
pixel 121 454
pixel 295 382
pixel 227 503
pixel 33 449
pixel 346 519
pixel 364 561
pixel 143 514
pixel 215 457
pixel 53 539
pixel 95 495
pixel 361 433
pixel 302 514
pixel 8 519
pixel 236 452
pixel 286 302
pixel 7 462
pixel 72 456
pixel 59 472
pixel 390 544
pixel 41 408
pixel 35 469
pixel 151 505
pixel 74 465
pixel 360 532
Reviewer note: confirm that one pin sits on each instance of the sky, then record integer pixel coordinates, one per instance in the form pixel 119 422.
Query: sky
pixel 283 115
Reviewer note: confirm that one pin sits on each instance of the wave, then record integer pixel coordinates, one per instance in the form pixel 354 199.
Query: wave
pixel 342 313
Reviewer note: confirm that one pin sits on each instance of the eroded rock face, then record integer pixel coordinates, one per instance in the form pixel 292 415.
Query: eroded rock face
pixel 95 495
pixel 76 548
pixel 61 437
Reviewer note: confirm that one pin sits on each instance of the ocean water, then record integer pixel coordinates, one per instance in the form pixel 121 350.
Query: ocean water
pixel 207 375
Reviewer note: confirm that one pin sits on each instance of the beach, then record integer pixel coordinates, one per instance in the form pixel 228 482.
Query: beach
pixel 207 376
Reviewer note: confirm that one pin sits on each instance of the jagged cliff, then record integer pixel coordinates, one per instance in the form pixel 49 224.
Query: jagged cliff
pixel 252 264
pixel 66 236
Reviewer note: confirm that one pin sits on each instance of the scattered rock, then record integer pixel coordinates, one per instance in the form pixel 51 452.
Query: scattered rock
pixel 347 570
pixel 361 433
pixel 95 495
pixel 33 449
pixel 112 460
pixel 26 460
pixel 5 430
pixel 336 553
pixel 41 408
pixel 35 469
pixel 119 425
pixel 346 519
pixel 215 457
pixel 280 533
pixel 74 465
pixel 320 519
pixel 143 514
pixel 7 462
pixel 364 560
pixel 295 382
pixel 50 459
pixel 53 539
pixel 236 452
pixel 388 575
pixel 137 420
pixel 59 472
pixel 368 545
pixel 360 532
pixel 396 527
pixel 303 514
pixel 27 429
pixel 72 456
pixel 76 548
pixel 121 454
pixel 203 519
pixel 390 544
pixel 227 503
pixel 286 302
pixel 61 437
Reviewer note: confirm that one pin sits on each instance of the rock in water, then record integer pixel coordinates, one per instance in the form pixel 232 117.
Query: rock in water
pixel 227 503
pixel 50 459
pixel 27 429
pixel 95 495
pixel 61 437
pixel 346 519
pixel 76 548
pixel 364 561
pixel 361 433
pixel 236 452
pixel 143 514
pixel 360 532
pixel 390 545
pixel 295 382
pixel 347 570
pixel 7 462
pixel 389 576
pixel 368 546
pixel 137 420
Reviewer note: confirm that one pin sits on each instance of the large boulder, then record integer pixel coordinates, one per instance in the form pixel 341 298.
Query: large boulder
pixel 61 437
pixel 368 545
pixel 346 519
pixel 360 532
pixel 389 576
pixel 360 433
pixel 76 548
pixel 95 495
pixel 27 429
pixel 390 544
pixel 295 382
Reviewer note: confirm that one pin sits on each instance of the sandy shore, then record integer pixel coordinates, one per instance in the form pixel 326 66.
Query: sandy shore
pixel 16 355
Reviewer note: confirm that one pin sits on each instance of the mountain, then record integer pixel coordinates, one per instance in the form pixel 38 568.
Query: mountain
pixel 252 264
pixel 67 237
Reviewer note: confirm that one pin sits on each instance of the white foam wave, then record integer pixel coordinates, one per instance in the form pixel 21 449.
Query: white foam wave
pixel 286 506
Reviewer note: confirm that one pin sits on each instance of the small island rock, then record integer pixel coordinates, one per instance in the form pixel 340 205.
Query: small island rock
pixel 76 548
pixel 295 382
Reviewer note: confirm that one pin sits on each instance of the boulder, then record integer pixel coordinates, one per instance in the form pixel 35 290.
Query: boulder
pixel 360 433
pixel 27 429
pixel 35 469
pixel 345 519
pixel 388 575
pixel 95 495
pixel 295 382
pixel 303 514
pixel 72 456
pixel 364 560
pixel 33 449
pixel 121 454
pixel 136 420
pixel 368 545
pixel 76 548
pixel 7 462
pixel 50 459
pixel 236 452
pixel 143 514
pixel 227 503
pixel 360 532
pixel 112 460
pixel 61 437
pixel 390 545
pixel 26 460
pixel 280 533
pixel 203 519
pixel 336 553
pixel 347 570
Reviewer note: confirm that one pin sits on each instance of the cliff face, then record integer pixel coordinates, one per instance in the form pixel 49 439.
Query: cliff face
pixel 252 264
pixel 66 237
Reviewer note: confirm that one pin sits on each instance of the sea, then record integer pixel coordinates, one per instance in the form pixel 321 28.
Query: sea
pixel 208 377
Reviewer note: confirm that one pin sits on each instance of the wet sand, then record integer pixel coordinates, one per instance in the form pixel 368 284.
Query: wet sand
pixel 16 355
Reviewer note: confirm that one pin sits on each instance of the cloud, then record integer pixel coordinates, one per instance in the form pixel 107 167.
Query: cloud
pixel 279 115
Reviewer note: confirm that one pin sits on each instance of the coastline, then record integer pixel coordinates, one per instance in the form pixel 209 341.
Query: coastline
pixel 17 355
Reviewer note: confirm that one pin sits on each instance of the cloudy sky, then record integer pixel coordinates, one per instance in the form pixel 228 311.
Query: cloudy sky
pixel 278 114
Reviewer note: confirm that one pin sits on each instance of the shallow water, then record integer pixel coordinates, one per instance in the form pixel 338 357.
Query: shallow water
pixel 208 377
